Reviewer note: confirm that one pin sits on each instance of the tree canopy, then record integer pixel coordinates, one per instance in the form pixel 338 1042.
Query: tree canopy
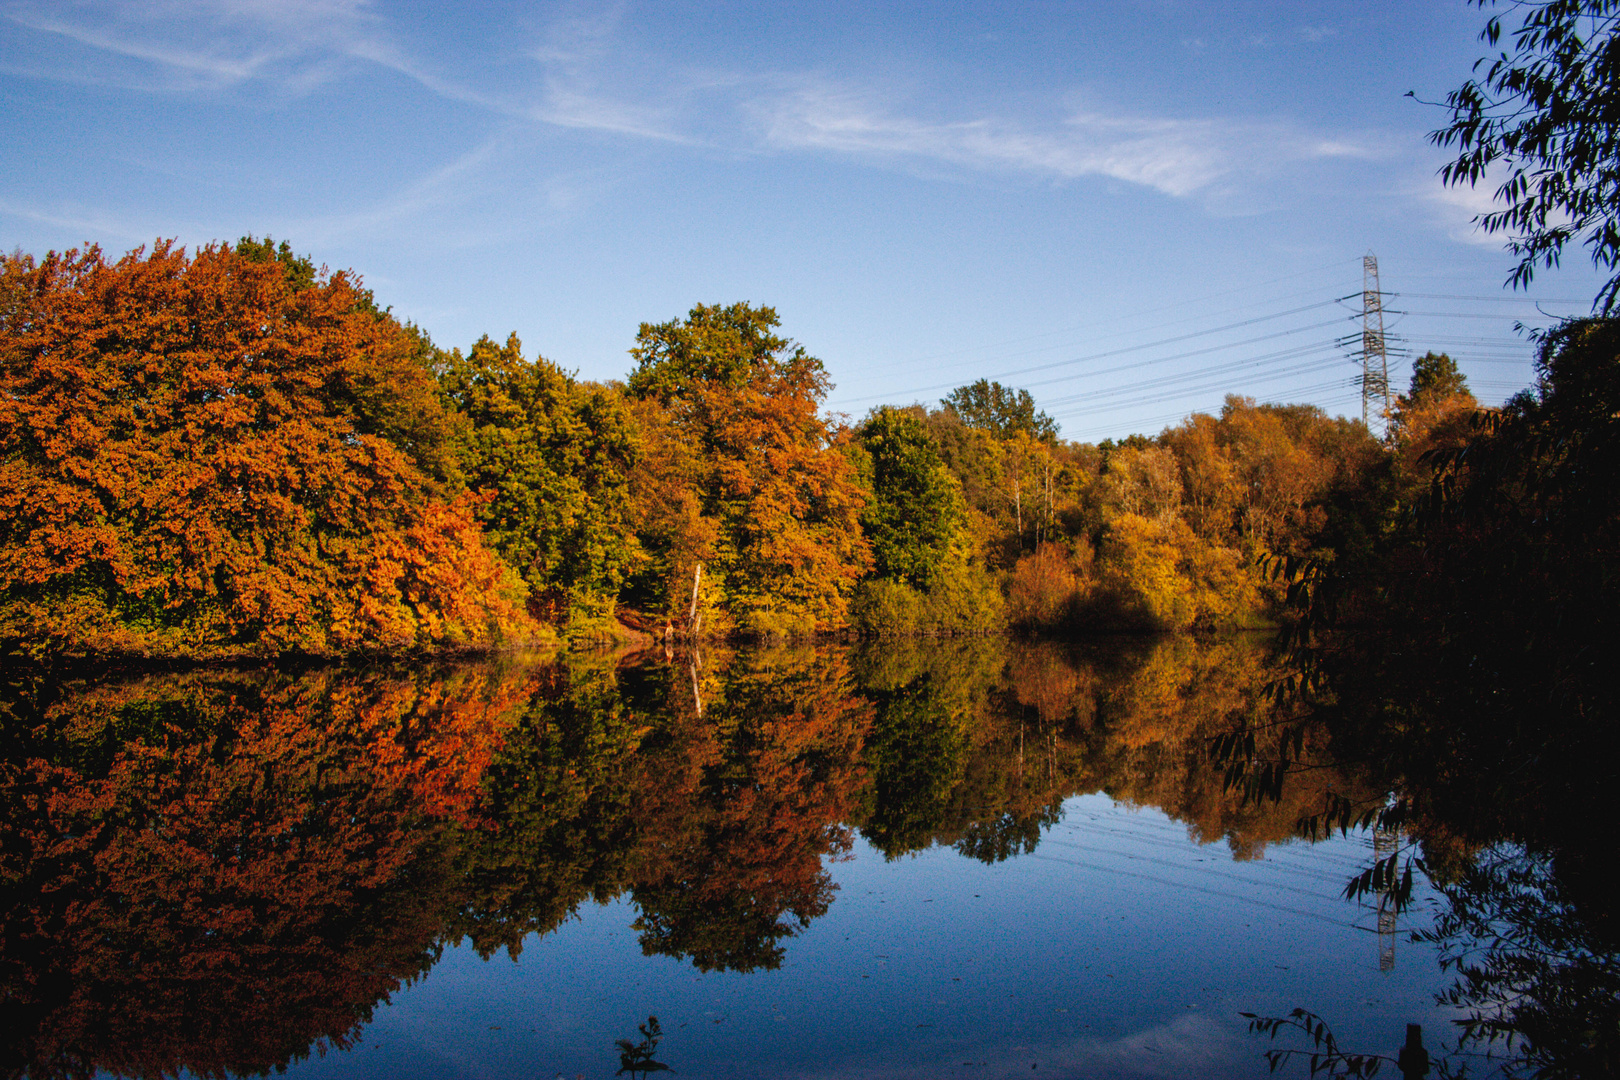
pixel 776 510
pixel 551 459
pixel 1543 121
pixel 203 452
pixel 999 410
pixel 916 518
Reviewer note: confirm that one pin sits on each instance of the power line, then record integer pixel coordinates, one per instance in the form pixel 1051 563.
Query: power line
pixel 1223 385
pixel 1131 349
pixel 1178 305
pixel 1488 299
pixel 1317 388
pixel 1375 348
pixel 1200 373
pixel 1161 419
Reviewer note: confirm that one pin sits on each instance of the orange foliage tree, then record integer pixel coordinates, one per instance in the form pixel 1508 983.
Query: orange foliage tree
pixel 775 512
pixel 213 453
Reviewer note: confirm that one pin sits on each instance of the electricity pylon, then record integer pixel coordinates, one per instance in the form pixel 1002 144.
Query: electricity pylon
pixel 1374 355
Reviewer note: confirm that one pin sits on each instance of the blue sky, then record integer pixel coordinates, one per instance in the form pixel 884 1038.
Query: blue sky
pixel 1118 205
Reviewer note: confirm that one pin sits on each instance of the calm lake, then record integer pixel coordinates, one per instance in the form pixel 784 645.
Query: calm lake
pixel 963 858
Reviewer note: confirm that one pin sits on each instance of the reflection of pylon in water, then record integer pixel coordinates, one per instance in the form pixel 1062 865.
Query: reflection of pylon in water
pixel 1385 843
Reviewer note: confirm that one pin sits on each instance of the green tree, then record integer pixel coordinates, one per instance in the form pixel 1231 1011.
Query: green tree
pixel 714 346
pixel 300 270
pixel 551 457
pixel 1545 121
pixel 1000 410
pixel 1435 375
pixel 916 517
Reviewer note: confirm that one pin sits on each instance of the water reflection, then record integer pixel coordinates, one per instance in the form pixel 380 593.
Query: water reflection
pixel 227 871
pixel 221 872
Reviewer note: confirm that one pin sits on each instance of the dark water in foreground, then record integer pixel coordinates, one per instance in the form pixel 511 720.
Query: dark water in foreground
pixel 927 859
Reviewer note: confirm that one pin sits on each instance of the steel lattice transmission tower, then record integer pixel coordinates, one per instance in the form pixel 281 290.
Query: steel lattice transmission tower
pixel 1374 355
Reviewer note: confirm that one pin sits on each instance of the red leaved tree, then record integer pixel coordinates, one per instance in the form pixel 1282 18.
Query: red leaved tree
pixel 211 453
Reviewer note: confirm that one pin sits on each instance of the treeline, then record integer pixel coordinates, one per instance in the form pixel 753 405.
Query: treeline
pixel 230 452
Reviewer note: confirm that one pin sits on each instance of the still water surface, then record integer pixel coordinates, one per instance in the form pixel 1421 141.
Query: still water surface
pixel 928 859
pixel 1118 948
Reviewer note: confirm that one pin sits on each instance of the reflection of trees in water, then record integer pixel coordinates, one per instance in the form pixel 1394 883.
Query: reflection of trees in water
pixel 560 794
pixel 978 745
pixel 216 872
pixel 221 871
pixel 741 807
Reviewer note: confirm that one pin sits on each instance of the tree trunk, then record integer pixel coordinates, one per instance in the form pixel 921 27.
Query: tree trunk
pixel 692 613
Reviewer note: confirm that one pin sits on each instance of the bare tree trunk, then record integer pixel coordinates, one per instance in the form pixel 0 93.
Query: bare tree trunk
pixel 692 612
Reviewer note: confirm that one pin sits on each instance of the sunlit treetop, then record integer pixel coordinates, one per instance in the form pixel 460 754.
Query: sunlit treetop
pixel 719 347
pixel 1435 375
pixel 999 410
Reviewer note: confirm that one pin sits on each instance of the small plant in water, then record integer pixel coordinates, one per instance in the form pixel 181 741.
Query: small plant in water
pixel 638 1057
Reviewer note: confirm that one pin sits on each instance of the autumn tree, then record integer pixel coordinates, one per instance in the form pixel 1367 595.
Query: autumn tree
pixel 203 452
pixel 1209 489
pixel 776 503
pixel 1435 409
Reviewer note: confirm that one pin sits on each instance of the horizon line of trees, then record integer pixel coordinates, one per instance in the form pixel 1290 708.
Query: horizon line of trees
pixel 232 452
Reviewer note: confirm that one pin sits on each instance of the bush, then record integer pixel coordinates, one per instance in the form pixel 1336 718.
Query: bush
pixel 772 623
pixel 1044 591
pixel 963 600
pixel 884 608
pixel 1156 574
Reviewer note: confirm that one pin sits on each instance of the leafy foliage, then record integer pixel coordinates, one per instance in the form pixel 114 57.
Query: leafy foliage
pixel 916 518
pixel 1000 410
pixel 197 453
pixel 1547 113
pixel 776 503
pixel 551 459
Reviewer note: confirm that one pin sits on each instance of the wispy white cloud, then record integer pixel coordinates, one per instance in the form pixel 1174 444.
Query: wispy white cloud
pixel 412 203
pixel 92 223
pixel 581 78
pixel 211 65
pixel 298 45
pixel 1456 208
pixel 576 104
pixel 1178 157
pixel 208 43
